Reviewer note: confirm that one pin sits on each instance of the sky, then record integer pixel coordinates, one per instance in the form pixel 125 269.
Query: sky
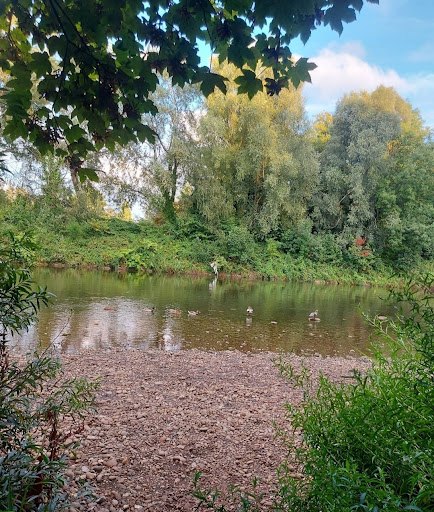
pixel 389 44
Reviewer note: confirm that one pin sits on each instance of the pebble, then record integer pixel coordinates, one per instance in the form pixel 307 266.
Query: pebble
pixel 211 411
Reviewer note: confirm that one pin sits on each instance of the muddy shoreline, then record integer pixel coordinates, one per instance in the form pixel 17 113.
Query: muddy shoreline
pixel 163 416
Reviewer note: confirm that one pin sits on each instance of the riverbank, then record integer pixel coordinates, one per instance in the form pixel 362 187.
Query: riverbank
pixel 162 416
pixel 144 247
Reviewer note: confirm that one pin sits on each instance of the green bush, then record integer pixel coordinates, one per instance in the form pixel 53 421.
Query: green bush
pixel 34 401
pixel 239 246
pixel 368 445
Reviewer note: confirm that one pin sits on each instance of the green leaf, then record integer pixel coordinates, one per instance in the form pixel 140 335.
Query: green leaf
pixel 74 133
pixel 86 173
pixel 210 81
pixel 40 64
pixel 144 133
pixel 300 72
pixel 248 83
pixel 337 14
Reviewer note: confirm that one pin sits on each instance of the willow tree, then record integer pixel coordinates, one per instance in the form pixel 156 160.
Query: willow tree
pixel 152 174
pixel 256 164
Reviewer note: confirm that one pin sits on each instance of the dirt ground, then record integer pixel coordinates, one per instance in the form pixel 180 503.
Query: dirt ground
pixel 163 416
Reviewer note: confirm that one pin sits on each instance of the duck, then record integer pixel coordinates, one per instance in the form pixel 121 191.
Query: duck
pixel 249 311
pixel 175 311
pixel 193 313
pixel 149 310
pixel 314 316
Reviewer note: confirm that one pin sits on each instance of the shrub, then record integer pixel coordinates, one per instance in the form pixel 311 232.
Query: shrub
pixel 34 402
pixel 369 445
pixel 239 245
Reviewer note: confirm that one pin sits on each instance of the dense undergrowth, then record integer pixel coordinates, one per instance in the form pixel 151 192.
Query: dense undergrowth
pixel 188 248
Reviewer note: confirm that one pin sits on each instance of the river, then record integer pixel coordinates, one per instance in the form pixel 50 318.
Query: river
pixel 102 310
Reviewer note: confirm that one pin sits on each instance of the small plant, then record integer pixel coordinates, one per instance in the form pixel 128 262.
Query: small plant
pixel 243 501
pixel 38 410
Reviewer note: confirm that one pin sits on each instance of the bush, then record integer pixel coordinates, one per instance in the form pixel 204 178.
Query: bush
pixel 369 445
pixel 239 246
pixel 34 402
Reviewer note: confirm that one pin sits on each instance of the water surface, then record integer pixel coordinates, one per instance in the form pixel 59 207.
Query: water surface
pixel 101 310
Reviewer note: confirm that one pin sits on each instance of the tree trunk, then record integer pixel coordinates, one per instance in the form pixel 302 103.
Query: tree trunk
pixel 75 180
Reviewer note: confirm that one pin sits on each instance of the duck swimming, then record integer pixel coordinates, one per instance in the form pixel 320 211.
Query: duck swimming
pixel 149 310
pixel 175 311
pixel 193 313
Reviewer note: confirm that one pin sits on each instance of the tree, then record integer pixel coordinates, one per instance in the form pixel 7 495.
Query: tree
pixel 376 182
pixel 95 62
pixel 352 160
pixel 257 162
pixel 153 174
pixel 405 210
pixel 321 130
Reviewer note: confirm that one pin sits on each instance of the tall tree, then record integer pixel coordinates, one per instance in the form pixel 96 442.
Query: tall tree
pixel 353 159
pixel 376 177
pixel 257 162
pixel 153 174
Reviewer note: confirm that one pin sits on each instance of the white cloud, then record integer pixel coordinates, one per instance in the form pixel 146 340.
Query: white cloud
pixel 343 69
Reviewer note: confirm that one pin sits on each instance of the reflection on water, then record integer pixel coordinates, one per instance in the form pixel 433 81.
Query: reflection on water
pixel 101 310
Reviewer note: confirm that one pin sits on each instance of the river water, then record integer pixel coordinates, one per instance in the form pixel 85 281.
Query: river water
pixel 102 310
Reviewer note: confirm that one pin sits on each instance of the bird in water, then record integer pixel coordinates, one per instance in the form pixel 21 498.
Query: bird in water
pixel 149 310
pixel 193 313
pixel 249 311
pixel 314 315
pixel 175 311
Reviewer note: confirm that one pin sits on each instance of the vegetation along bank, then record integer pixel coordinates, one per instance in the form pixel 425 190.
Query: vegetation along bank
pixel 251 185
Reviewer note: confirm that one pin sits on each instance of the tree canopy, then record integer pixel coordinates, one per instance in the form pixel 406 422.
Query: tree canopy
pixel 82 71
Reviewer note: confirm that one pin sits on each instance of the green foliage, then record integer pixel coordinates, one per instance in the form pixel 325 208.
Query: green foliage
pixel 367 444
pixel 34 401
pixel 238 245
pixel 256 163
pixel 33 452
pixel 19 301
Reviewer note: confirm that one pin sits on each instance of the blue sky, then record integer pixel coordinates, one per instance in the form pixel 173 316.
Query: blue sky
pixel 390 44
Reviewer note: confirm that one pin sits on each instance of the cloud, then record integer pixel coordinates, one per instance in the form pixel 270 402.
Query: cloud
pixel 343 69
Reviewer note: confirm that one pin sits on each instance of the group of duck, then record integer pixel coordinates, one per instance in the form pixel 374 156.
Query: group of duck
pixel 176 312
pixel 313 317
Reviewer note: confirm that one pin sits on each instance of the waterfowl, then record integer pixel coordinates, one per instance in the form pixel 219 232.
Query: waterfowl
pixel 314 316
pixel 382 318
pixel 249 311
pixel 175 311
pixel 193 313
pixel 149 310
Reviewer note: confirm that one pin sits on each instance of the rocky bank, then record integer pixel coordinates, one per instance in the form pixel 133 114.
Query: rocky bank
pixel 163 416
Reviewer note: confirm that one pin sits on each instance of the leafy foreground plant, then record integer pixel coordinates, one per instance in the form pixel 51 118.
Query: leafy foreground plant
pixel 34 401
pixel 367 445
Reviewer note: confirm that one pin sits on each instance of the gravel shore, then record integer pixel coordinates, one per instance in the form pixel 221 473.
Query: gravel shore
pixel 162 416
